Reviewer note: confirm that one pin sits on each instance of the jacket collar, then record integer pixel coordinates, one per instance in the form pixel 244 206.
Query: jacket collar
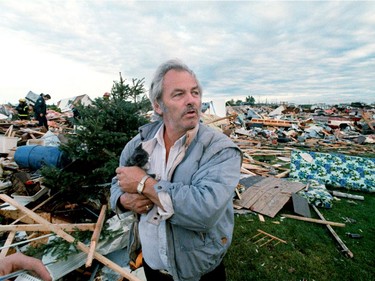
pixel 149 130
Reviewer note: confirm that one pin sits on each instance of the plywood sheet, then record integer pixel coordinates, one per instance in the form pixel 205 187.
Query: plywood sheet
pixel 269 195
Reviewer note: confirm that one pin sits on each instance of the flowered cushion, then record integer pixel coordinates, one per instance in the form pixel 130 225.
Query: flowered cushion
pixel 338 170
pixel 317 194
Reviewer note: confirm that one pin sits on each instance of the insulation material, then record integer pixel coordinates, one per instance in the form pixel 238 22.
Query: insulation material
pixel 338 170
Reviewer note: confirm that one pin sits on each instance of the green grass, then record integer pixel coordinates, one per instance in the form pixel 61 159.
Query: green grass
pixel 311 252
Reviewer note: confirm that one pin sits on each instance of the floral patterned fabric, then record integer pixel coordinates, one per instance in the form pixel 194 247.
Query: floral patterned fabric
pixel 317 194
pixel 338 170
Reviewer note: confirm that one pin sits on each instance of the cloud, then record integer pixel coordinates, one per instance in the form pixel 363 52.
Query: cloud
pixel 275 50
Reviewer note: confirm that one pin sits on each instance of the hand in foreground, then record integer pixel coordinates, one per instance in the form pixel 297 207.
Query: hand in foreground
pixel 136 202
pixel 19 261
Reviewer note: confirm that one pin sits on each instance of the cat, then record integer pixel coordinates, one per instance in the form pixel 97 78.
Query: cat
pixel 139 158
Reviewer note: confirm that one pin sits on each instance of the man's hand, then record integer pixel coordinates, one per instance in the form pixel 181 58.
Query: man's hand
pixel 136 202
pixel 128 180
pixel 129 177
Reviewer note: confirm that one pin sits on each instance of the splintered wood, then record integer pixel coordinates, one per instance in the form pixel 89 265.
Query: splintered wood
pixel 263 238
pixel 60 232
pixel 268 196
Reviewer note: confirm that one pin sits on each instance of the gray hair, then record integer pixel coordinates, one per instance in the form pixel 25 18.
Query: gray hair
pixel 156 89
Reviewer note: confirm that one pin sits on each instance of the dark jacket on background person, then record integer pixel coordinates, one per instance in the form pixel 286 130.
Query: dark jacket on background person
pixel 40 107
pixel 40 110
pixel 23 110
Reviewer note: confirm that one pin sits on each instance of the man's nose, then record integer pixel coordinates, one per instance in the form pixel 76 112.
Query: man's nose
pixel 192 98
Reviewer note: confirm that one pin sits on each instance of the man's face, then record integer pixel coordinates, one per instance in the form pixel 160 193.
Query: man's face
pixel 181 102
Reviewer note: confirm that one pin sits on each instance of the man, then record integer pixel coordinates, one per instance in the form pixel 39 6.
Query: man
pixel 40 110
pixel 186 212
pixel 19 261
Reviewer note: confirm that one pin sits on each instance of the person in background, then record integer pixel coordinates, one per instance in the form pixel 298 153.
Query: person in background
pixel 19 261
pixel 186 210
pixel 23 110
pixel 40 110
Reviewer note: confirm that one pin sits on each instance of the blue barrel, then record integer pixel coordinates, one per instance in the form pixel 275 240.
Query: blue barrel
pixel 36 156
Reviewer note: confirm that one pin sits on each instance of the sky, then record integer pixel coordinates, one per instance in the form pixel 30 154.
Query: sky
pixel 276 51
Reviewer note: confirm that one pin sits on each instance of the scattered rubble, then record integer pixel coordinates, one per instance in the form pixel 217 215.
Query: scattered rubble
pixel 286 151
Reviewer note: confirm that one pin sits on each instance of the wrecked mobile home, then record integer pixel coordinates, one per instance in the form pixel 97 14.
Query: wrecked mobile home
pixel 291 155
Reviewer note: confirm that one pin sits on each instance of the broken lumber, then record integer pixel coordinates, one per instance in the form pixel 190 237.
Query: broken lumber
pixel 222 118
pixel 314 220
pixel 347 195
pixel 25 241
pixel 60 232
pixel 40 227
pixel 338 239
pixel 283 174
pixel 12 234
pixel 264 236
pixel 95 236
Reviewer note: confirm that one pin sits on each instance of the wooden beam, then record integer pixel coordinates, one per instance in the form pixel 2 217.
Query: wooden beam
pixel 12 234
pixel 314 220
pixel 7 243
pixel 222 118
pixel 347 195
pixel 283 174
pixel 60 232
pixel 40 227
pixel 95 236
pixel 338 239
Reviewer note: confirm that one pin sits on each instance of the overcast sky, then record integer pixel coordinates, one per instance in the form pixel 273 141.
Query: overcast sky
pixel 275 51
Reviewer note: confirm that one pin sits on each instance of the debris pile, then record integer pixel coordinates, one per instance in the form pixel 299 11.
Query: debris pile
pixel 288 152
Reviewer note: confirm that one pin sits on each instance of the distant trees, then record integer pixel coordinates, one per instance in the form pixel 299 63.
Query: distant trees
pixel 250 100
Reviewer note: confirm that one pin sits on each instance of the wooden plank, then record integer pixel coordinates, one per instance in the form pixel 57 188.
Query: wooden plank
pixel 314 220
pixel 338 239
pixel 249 196
pixel 269 195
pixel 254 167
pixel 60 232
pixel 222 118
pixel 271 204
pixel 7 243
pixel 17 214
pixel 12 234
pixel 244 171
pixel 39 227
pixel 347 195
pixel 283 174
pixel 96 235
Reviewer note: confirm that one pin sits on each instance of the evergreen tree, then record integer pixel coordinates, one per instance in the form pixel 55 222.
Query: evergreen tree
pixel 250 100
pixel 94 150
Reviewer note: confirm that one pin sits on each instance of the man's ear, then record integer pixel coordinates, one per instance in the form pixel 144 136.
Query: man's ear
pixel 158 108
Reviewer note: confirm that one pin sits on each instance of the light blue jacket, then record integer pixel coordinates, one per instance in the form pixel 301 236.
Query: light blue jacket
pixel 201 188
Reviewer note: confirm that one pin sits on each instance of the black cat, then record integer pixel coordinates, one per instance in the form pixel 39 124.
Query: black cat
pixel 139 158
